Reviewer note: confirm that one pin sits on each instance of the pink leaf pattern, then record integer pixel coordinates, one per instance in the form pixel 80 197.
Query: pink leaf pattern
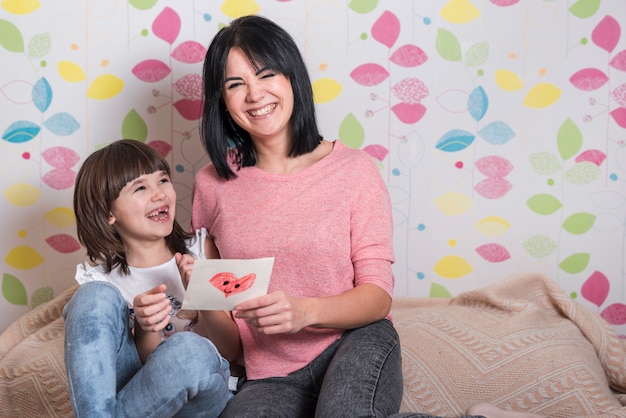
pixel 409 112
pixel 61 157
pixel 166 26
pixel 410 90
pixel 493 188
pixel 162 147
pixel 190 86
pixel 596 288
pixel 151 70
pixel 189 52
pixel 606 34
pixel 408 56
pixel 615 314
pixel 189 109
pixel 386 29
pixel 60 178
pixel 63 243
pixel 619 61
pixel 619 116
pixel 589 79
pixel 377 151
pixel 369 74
pixel 493 252
pixel 504 3
pixel 593 156
pixel 619 94
pixel 494 166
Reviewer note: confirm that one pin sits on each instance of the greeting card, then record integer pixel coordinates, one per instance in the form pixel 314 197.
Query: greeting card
pixel 218 284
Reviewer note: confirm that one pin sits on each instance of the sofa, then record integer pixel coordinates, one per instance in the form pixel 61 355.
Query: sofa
pixel 521 344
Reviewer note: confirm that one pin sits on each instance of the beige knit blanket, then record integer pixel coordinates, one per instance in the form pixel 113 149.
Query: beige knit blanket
pixel 33 382
pixel 521 344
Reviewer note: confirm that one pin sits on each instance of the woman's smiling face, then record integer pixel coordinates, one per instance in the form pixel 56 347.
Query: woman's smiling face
pixel 260 102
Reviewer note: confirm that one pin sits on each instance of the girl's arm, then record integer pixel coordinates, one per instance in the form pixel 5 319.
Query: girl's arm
pixel 152 314
pixel 217 326
pixel 221 329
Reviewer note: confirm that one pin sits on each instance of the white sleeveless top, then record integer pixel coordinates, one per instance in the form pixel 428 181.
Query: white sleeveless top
pixel 142 279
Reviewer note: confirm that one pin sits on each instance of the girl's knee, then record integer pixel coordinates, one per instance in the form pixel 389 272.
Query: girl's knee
pixel 194 354
pixel 98 293
pixel 95 299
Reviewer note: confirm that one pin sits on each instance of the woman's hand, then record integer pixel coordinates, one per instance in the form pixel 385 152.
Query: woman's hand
pixel 152 309
pixel 275 313
pixel 279 313
pixel 185 265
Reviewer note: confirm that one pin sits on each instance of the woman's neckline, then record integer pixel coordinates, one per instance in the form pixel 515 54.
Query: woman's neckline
pixel 314 160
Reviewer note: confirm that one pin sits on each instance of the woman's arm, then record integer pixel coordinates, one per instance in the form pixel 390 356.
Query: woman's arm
pixel 279 313
pixel 371 254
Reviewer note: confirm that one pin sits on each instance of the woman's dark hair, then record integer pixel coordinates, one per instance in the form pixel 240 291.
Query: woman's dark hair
pixel 98 183
pixel 266 45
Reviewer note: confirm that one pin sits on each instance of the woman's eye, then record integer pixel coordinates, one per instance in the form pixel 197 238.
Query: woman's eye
pixel 268 75
pixel 233 86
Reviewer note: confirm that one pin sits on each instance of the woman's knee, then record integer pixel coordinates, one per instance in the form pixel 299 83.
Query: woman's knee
pixel 376 339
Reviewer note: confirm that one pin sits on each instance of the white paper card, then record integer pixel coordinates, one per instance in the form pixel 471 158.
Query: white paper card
pixel 218 284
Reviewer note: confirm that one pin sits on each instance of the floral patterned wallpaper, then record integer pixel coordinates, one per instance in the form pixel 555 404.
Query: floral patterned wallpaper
pixel 498 125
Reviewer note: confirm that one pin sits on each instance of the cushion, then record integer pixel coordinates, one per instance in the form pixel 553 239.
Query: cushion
pixel 522 345
pixel 33 381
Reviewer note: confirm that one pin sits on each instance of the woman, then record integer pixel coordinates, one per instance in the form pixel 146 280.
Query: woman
pixel 320 343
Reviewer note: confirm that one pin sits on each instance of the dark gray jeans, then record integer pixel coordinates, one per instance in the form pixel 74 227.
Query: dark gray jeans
pixel 360 375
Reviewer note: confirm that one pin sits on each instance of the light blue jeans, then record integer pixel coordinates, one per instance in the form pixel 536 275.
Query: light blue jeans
pixel 185 376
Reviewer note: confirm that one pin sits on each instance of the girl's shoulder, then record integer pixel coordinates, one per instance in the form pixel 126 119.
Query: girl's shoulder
pixel 87 272
pixel 195 244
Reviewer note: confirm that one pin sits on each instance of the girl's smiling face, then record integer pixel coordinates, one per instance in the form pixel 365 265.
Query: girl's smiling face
pixel 259 101
pixel 145 209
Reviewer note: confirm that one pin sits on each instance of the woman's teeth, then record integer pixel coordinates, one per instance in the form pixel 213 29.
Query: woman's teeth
pixel 262 112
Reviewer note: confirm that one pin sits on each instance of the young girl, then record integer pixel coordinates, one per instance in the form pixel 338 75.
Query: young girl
pixel 125 207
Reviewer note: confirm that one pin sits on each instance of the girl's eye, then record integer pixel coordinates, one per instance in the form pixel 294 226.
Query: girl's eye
pixel 139 188
pixel 165 180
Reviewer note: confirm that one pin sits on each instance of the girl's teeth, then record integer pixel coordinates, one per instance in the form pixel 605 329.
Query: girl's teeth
pixel 160 214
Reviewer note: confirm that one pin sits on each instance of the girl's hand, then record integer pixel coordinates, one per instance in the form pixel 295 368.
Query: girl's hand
pixel 152 309
pixel 185 264
pixel 275 313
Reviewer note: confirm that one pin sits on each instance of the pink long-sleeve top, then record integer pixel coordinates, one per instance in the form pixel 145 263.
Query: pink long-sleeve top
pixel 329 228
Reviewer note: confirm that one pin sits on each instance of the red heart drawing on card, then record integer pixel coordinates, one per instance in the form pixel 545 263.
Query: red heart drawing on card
pixel 230 284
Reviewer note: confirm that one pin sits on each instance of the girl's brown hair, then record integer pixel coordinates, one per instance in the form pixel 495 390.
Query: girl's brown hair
pixel 98 183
